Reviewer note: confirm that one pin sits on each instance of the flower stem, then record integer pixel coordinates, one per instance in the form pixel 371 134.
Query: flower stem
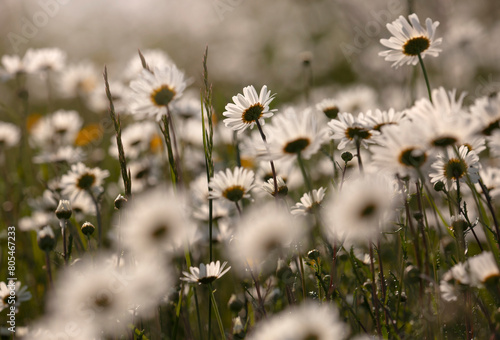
pixel 98 217
pixel 421 61
pixel 374 293
pixel 168 142
pixel 273 170
pixel 49 270
pixel 358 154
pixel 65 246
pixel 216 310
pixel 304 173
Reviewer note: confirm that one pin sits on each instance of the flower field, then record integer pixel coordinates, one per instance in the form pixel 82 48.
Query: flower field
pixel 234 169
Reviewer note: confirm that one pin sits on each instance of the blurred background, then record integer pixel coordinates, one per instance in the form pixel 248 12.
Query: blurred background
pixel 266 42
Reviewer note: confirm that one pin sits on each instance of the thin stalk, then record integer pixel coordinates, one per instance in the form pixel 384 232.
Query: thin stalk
pixel 198 314
pixel 49 270
pixel 65 246
pixel 490 208
pixel 421 61
pixel 302 276
pixel 177 313
pixel 358 154
pixel 177 158
pixel 374 293
pixel 216 310
pixel 121 153
pixel 168 142
pixel 273 170
pixel 238 208
pixel 257 288
pixel 99 219
pixel 382 282
pixel 307 181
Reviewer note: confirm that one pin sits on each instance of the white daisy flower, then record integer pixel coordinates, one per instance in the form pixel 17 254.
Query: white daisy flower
pixel 248 108
pixel 491 180
pixel 155 224
pixel 98 101
pixel 309 202
pixel 269 187
pixel 483 268
pixel 361 211
pixel 330 107
pixel 83 179
pixel 10 135
pixel 97 307
pixel 264 234
pixel 137 138
pixel 13 65
pixel 206 273
pixel 44 59
pixel 401 151
pixel 452 167
pixel 377 118
pixel 21 294
pixel 232 185
pixel 64 154
pixel 78 80
pixel 57 129
pixel 442 121
pixel 153 92
pixel 351 130
pixel 306 321
pixel 486 112
pixel 295 132
pixel 410 40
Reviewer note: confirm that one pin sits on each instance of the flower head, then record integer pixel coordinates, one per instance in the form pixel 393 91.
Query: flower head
pixel 294 132
pixel 232 185
pixel 308 202
pixel 410 40
pixel 248 108
pixel 153 92
pixel 206 273
pixel 455 167
pixel 83 179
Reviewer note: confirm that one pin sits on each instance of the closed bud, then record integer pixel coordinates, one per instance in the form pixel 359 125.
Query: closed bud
pixel 88 228
pixel 347 156
pixel 120 201
pixel 63 211
pixel 46 239
pixel 439 186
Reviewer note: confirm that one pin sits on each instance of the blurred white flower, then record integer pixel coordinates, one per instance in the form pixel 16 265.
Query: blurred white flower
pixel 21 294
pixel 44 60
pixel 78 80
pixel 308 202
pixel 307 321
pixel 10 135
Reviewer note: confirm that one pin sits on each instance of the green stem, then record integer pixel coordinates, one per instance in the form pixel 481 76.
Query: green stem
pixel 358 154
pixel 198 313
pixel 216 310
pixel 273 170
pixel 171 160
pixel 307 181
pixel 421 61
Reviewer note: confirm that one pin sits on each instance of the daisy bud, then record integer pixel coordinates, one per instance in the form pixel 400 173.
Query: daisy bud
pixel 64 211
pixel 120 201
pixel 88 228
pixel 235 304
pixel 439 186
pixel 346 156
pixel 46 239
